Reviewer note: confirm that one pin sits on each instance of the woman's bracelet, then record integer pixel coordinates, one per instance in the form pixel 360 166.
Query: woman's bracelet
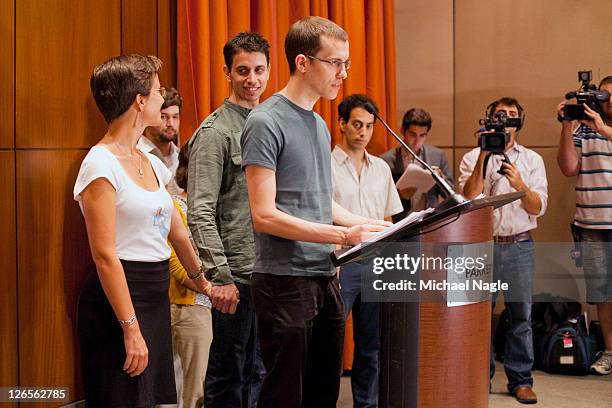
pixel 129 321
pixel 198 275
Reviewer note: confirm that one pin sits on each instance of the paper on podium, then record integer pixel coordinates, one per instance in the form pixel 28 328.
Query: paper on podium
pixel 415 177
pixel 411 218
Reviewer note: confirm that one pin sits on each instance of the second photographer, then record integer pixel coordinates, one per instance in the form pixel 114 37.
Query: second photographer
pixel 493 169
pixel 585 151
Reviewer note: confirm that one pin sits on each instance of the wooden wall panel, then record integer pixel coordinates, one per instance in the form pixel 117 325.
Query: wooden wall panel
pixel 7 73
pixel 139 27
pixel 451 159
pixel 424 43
pixel 55 112
pixel 553 226
pixel 8 273
pixel 458 155
pixel 53 258
pixel 530 50
pixel 57 46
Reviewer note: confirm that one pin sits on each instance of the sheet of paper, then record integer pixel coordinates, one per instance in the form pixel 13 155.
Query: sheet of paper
pixel 411 218
pixel 455 304
pixel 415 177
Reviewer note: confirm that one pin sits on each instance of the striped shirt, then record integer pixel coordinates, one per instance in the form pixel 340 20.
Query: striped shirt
pixel 594 183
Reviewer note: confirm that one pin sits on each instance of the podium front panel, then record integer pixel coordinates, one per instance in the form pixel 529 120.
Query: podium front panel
pixel 433 355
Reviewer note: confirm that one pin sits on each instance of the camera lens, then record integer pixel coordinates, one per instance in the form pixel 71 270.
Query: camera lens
pixel 496 141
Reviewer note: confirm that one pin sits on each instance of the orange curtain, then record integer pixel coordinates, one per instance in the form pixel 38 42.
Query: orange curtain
pixel 204 26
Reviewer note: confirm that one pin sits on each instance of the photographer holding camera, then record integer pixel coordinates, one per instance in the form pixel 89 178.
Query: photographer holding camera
pixel 586 152
pixel 500 165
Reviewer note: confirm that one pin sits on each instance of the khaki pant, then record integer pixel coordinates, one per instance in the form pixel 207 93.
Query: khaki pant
pixel 191 338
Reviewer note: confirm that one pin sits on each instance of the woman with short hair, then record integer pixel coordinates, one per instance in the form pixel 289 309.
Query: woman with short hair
pixel 124 314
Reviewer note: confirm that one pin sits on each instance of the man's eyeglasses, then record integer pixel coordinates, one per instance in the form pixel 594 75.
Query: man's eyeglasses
pixel 162 91
pixel 336 63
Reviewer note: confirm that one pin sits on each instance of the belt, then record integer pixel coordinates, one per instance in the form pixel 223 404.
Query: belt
pixel 523 236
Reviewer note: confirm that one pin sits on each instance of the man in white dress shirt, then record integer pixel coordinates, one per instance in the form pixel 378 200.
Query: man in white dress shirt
pixel 161 140
pixel 362 184
pixel 491 174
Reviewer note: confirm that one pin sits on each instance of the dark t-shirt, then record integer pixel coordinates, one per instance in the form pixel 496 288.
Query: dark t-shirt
pixel 296 144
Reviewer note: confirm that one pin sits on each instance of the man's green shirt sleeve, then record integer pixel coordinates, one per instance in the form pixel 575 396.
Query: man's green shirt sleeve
pixel 208 157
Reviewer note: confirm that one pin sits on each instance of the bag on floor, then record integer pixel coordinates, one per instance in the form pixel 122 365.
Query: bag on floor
pixel 568 349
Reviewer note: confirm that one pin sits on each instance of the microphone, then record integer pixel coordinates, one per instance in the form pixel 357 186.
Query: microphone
pixel 451 198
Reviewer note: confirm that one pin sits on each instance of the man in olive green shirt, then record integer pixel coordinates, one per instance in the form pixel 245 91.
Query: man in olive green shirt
pixel 220 221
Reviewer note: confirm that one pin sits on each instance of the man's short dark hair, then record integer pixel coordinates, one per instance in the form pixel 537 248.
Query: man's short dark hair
pixel 247 42
pixel 116 82
pixel 172 98
pixel 505 101
pixel 351 102
pixel 417 117
pixel 304 37
pixel 607 80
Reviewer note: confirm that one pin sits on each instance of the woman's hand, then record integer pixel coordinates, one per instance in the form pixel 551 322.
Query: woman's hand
pixel 136 351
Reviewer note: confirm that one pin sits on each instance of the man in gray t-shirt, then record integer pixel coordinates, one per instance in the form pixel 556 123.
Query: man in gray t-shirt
pixel 286 157
pixel 295 143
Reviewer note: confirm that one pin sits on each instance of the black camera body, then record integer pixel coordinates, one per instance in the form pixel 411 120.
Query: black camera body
pixel 588 94
pixel 494 142
pixel 496 137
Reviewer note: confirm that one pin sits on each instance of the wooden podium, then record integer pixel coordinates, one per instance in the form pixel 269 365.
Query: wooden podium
pixel 434 356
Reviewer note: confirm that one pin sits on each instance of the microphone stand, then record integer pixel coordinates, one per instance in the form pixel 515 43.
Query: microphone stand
pixel 451 198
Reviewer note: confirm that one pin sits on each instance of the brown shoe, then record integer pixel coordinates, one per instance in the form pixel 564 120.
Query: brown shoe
pixel 525 395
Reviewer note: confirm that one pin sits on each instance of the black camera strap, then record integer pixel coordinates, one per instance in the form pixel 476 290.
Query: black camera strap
pixel 484 166
pixel 486 162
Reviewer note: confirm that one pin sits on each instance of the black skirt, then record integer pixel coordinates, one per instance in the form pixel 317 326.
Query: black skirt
pixel 102 345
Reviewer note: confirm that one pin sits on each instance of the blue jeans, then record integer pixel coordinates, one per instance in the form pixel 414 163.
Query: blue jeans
pixel 235 369
pixel 366 335
pixel 514 264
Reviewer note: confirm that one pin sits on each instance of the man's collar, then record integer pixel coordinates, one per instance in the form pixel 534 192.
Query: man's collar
pixel 369 159
pixel 174 150
pixel 516 148
pixel 340 155
pixel 147 146
pixel 404 152
pixel 234 106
